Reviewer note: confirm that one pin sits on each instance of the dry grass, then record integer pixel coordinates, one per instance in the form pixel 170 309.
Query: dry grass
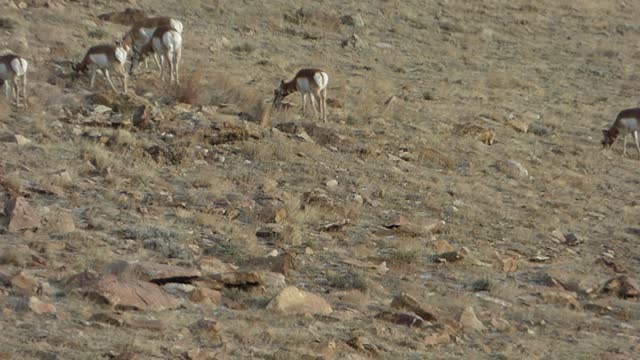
pixel 191 89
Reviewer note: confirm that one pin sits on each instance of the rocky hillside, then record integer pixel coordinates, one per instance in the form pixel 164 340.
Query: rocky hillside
pixel 455 205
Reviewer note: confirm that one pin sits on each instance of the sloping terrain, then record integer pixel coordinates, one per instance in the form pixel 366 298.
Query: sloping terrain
pixel 455 205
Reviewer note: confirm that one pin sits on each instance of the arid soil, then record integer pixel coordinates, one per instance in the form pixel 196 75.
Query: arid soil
pixel 456 204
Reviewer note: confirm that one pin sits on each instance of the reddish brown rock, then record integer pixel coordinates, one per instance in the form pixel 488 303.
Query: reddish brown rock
pixel 21 215
pixel 206 296
pixel 122 294
pixel 31 304
pixel 25 284
pixel 40 307
pixel 622 286
pixel 406 319
pixel 567 298
pixel 469 321
pixel 406 301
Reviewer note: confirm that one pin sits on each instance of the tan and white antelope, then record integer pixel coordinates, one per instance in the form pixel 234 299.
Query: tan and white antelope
pixel 311 82
pixel 104 58
pixel 627 122
pixel 13 68
pixel 141 32
pixel 166 43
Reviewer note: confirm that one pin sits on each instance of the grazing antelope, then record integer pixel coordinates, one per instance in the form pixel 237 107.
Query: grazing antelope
pixel 311 82
pixel 627 122
pixel 12 69
pixel 166 43
pixel 104 58
pixel 141 32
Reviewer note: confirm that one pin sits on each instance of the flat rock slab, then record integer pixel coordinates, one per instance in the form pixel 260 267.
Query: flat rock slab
pixel 152 272
pixel 127 294
pixel 21 215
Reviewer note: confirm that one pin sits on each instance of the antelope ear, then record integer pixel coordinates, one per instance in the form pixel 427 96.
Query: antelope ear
pixel 605 131
pixel 282 83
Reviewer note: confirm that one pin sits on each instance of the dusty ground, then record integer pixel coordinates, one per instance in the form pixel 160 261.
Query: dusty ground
pixel 194 185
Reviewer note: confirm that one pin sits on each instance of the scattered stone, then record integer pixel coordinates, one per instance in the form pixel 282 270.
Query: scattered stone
pixel 101 109
pixel 396 222
pixel 381 268
pixel 442 246
pixel 21 215
pixel 406 301
pixel 126 294
pixel 493 299
pixel 59 222
pixel 486 136
pixel 561 297
pixel 352 20
pixel 509 265
pixel 448 257
pixel 332 183
pixel 207 329
pixel 513 169
pixel 281 263
pixel 273 214
pixel 519 125
pixel 126 17
pixel 206 296
pixel 439 339
pixel 431 225
pixel 317 197
pixel 30 304
pixel 622 286
pixel 40 307
pixel 500 324
pixel 179 290
pixel 270 234
pixel 24 284
pixel 238 279
pixel 291 300
pixel 152 272
pixel 539 258
pixel 18 139
pixel 406 319
pixel 606 261
pixel 469 321
pixel 335 103
pixel 335 226
pixel 355 42
pixel 363 344
pixel 107 318
pixel 384 45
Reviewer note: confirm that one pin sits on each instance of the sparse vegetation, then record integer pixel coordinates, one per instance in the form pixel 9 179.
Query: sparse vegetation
pixel 190 177
pixel 349 280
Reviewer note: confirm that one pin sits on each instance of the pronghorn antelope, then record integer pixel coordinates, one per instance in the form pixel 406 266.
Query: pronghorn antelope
pixel 12 69
pixel 141 32
pixel 627 122
pixel 311 82
pixel 105 58
pixel 166 43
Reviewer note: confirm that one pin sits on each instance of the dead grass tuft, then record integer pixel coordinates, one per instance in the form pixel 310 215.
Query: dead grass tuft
pixel 316 18
pixel 436 157
pixel 228 90
pixel 351 280
pixel 191 90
